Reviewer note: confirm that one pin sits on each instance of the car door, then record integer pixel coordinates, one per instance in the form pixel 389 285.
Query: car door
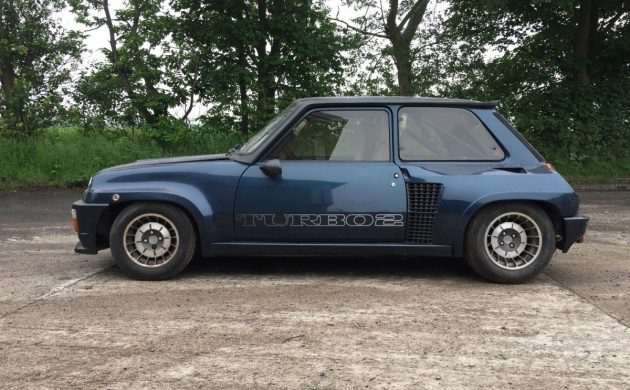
pixel 338 183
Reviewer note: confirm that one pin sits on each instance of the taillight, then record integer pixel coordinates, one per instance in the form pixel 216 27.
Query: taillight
pixel 550 166
pixel 75 221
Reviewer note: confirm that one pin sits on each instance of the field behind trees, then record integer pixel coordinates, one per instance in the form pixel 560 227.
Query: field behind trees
pixel 180 77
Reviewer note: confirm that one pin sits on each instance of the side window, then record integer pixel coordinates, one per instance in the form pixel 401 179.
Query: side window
pixel 352 135
pixel 444 134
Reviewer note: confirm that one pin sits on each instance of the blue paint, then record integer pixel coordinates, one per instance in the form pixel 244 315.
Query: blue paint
pixel 215 190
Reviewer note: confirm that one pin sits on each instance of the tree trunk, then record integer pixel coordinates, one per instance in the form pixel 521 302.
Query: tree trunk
pixel 160 109
pixel 242 86
pixel 8 80
pixel 14 107
pixel 402 59
pixel 584 37
pixel 401 36
pixel 141 108
pixel 265 102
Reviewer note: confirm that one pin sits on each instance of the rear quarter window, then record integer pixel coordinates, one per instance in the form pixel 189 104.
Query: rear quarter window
pixel 444 134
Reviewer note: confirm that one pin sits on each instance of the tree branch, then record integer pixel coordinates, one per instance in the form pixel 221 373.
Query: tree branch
pixel 391 26
pixel 190 105
pixel 112 35
pixel 624 8
pixel 122 73
pixel 365 32
pixel 417 13
pixel 382 12
pixel 411 11
pixel 93 28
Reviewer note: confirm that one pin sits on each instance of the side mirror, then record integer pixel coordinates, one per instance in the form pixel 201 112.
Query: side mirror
pixel 272 168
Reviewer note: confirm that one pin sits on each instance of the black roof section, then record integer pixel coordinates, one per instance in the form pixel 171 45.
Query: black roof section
pixel 403 100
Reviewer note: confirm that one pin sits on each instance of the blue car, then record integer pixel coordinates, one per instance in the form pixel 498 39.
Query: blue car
pixel 343 176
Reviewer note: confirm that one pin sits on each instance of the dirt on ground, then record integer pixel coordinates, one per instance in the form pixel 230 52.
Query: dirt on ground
pixel 75 321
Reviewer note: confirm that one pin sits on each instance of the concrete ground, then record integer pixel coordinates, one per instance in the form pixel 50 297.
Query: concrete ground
pixel 74 321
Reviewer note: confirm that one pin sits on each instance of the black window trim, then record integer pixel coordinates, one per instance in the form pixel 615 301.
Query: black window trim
pixel 289 128
pixel 505 152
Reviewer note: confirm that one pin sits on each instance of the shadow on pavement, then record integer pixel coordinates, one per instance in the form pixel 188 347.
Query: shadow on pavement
pixel 332 266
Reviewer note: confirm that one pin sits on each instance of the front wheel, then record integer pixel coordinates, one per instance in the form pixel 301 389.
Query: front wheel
pixel 510 243
pixel 152 241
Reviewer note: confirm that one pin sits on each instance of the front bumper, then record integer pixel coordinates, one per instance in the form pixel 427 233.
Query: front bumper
pixel 88 217
pixel 574 229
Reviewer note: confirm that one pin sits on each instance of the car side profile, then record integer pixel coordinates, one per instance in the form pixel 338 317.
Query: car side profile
pixel 343 176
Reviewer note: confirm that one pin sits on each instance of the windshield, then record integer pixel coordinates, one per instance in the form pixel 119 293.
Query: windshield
pixel 264 134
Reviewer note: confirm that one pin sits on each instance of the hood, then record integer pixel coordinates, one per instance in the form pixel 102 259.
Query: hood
pixel 169 160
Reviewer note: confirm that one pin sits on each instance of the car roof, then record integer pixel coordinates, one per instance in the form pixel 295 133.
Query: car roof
pixel 374 100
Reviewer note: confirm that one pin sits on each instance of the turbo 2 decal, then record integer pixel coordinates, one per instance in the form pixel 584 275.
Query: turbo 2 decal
pixel 316 220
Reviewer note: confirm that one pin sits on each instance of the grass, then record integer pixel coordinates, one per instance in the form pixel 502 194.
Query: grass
pixel 601 171
pixel 65 157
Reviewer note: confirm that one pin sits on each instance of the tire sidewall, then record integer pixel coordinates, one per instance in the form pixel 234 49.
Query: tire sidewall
pixel 481 262
pixel 186 241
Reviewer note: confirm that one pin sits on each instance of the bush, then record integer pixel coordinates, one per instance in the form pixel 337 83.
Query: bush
pixel 65 156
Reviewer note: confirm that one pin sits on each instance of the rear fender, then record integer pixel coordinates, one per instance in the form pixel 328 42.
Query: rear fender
pixel 561 202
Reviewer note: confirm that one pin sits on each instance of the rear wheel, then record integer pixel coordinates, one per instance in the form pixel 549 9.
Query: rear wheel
pixel 510 243
pixel 152 241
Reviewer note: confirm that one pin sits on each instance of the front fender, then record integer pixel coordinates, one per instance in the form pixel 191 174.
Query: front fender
pixel 205 189
pixel 188 197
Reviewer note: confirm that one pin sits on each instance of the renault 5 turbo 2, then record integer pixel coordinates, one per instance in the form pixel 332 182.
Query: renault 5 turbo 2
pixel 344 176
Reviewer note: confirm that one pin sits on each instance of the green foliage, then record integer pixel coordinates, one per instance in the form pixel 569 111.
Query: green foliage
pixel 66 156
pixel 147 79
pixel 36 56
pixel 257 56
pixel 186 76
pixel 598 171
pixel 569 96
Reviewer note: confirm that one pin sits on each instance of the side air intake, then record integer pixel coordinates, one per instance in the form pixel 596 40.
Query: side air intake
pixel 423 201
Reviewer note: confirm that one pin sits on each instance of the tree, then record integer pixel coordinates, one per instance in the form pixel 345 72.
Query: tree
pixel 256 55
pixel 560 68
pixel 596 20
pixel 398 24
pixel 35 60
pixel 581 40
pixel 153 73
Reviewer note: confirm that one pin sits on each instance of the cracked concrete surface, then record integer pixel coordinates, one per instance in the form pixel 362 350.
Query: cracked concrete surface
pixel 74 321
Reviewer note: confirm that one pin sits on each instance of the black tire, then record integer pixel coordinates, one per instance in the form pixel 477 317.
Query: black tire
pixel 482 262
pixel 181 255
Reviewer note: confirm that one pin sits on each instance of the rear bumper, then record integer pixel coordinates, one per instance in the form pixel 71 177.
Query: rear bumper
pixel 574 229
pixel 88 217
